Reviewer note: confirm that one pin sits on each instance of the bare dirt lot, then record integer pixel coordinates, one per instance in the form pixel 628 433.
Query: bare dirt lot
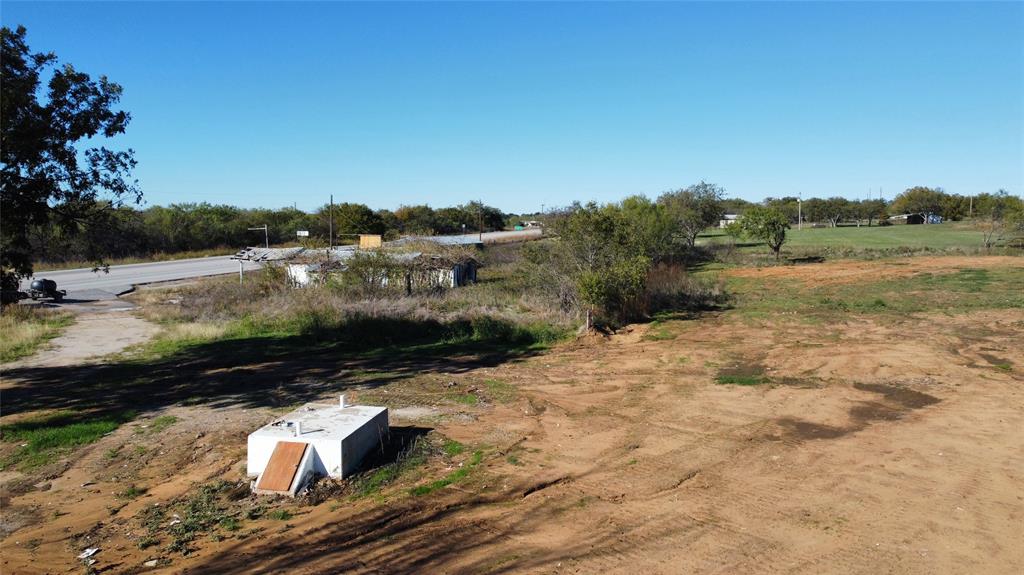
pixel 869 443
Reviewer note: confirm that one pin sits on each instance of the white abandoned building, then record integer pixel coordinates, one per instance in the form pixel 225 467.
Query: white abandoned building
pixel 413 270
pixel 316 440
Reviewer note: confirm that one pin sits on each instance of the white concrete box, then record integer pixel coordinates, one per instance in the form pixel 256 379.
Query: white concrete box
pixel 340 436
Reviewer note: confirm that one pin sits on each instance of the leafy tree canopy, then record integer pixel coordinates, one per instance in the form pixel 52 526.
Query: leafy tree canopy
pixel 52 172
pixel 768 225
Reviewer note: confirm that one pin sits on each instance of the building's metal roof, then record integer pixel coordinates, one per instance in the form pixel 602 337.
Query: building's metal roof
pixel 254 254
pixel 459 240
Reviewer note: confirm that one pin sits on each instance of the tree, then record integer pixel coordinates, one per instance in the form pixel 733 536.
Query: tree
pixel 870 210
pixel 46 178
pixel 998 215
pixel 597 250
pixel 836 209
pixel 351 219
pixel 766 224
pixel 415 219
pixel 694 209
pixel 652 228
pixel 788 205
pixel 919 200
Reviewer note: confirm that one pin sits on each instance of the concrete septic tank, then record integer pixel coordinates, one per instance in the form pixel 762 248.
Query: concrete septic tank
pixel 337 436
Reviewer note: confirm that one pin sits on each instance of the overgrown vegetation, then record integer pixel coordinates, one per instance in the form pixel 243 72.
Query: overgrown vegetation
pixel 409 459
pixel 45 438
pixel 206 510
pixel 23 329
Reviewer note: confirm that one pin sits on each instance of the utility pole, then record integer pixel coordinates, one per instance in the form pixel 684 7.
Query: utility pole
pixel 266 234
pixel 970 209
pixel 330 226
pixel 800 211
pixel 481 202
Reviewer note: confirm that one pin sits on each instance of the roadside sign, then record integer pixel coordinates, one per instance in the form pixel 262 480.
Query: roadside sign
pixel 302 233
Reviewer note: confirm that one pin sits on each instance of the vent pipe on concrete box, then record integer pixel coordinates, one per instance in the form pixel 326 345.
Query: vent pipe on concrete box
pixel 342 401
pixel 298 428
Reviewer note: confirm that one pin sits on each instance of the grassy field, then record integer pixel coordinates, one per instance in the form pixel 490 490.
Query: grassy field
pixel 958 290
pixel 933 237
pixel 24 329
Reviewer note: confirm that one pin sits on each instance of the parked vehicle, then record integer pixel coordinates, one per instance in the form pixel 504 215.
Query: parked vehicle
pixel 44 288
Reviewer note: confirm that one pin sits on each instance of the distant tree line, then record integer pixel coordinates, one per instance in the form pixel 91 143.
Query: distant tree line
pixel 126 231
pixel 835 210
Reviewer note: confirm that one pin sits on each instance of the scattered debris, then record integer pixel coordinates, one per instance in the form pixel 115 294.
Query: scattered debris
pixel 151 563
pixel 88 553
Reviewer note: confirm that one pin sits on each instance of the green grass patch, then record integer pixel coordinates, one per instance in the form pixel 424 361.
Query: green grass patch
pixel 453 477
pixel 660 333
pixel 463 398
pixel 279 515
pixel 959 290
pixel 944 236
pixel 452 448
pixel 500 391
pixel 372 482
pixel 158 424
pixel 52 436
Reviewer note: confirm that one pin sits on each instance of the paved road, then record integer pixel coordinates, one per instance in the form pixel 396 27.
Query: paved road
pixel 86 284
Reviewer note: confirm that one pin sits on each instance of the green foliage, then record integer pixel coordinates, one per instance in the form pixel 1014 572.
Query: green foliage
pixel 49 177
pixel 598 250
pixel 51 436
pixel 351 219
pixel 694 209
pixel 453 477
pixel 452 448
pixel 279 515
pixel 740 379
pixel 412 458
pixel 1000 218
pixel 463 398
pixel 918 200
pixel 200 513
pixel 767 225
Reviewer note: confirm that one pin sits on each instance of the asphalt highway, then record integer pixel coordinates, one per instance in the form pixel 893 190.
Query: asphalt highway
pixel 120 279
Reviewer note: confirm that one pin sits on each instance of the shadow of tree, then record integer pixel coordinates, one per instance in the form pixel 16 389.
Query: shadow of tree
pixel 246 372
pixel 456 533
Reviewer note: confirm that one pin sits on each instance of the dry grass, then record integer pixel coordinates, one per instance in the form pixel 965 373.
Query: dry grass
pixel 24 329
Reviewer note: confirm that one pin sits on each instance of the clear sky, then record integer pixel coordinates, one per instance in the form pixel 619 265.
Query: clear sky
pixel 270 104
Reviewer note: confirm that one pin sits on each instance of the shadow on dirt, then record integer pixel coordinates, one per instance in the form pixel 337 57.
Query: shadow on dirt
pixel 895 402
pixel 248 372
pixel 450 534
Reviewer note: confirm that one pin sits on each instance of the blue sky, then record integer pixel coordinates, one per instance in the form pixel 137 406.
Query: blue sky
pixel 270 104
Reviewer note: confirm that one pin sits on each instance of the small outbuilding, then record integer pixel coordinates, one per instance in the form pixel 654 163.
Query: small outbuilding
pixel 317 439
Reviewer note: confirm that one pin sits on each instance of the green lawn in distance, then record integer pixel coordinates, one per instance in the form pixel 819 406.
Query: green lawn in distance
pixel 935 236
